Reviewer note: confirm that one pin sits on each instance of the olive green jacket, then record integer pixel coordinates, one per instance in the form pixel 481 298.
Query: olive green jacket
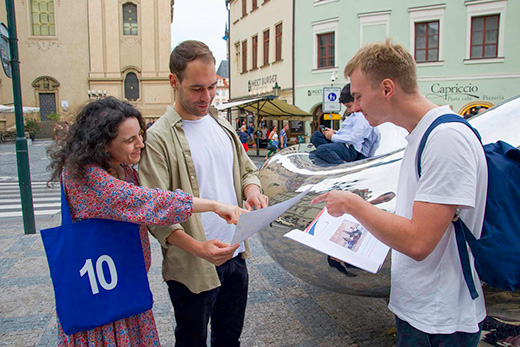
pixel 166 163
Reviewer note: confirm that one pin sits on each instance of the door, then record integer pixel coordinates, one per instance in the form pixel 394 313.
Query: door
pixel 47 105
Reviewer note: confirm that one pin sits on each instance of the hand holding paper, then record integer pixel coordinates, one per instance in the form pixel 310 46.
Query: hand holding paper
pixel 252 222
pixel 343 238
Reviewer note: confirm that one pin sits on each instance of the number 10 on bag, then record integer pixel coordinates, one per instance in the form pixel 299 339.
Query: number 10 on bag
pixel 99 274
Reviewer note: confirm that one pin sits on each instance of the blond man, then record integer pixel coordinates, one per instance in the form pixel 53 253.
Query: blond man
pixel 432 305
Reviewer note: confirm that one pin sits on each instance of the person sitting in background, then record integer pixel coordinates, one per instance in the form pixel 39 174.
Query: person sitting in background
pixel 354 141
pixel 94 162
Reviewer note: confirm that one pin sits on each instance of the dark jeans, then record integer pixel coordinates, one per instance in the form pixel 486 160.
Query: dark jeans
pixel 225 305
pixel 408 336
pixel 334 152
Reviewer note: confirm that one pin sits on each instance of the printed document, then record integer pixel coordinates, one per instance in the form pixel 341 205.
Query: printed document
pixel 343 238
pixel 252 222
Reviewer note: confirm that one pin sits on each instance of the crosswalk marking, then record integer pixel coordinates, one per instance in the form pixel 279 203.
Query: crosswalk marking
pixel 46 200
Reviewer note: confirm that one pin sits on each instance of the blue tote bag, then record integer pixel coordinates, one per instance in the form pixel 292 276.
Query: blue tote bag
pixel 97 269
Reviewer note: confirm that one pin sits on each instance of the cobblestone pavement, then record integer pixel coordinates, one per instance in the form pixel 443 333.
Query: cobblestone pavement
pixel 282 310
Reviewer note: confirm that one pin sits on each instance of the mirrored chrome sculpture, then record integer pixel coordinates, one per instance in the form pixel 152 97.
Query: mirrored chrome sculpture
pixel 375 179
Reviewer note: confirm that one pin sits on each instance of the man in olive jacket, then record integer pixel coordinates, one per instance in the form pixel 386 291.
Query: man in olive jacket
pixel 193 149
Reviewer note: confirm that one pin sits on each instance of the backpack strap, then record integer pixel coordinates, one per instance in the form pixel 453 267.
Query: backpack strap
pixel 462 233
pixel 446 118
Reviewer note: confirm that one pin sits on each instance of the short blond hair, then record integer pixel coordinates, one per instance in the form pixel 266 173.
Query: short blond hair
pixel 382 60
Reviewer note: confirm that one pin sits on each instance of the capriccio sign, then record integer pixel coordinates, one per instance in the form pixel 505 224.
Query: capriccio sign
pixel 465 92
pixel 467 89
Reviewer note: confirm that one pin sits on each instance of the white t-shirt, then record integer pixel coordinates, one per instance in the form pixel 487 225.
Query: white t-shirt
pixel 431 295
pixel 212 153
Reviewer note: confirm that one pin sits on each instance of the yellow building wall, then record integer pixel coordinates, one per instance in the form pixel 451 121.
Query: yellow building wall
pixel 89 52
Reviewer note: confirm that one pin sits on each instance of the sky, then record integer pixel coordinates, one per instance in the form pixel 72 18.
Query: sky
pixel 203 20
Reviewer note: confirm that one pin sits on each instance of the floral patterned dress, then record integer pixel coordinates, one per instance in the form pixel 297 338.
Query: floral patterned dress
pixel 103 196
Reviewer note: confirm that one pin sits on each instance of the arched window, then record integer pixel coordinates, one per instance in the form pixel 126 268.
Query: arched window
pixel 131 87
pixel 129 19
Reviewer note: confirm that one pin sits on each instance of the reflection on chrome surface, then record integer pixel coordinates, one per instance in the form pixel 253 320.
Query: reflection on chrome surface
pixel 294 169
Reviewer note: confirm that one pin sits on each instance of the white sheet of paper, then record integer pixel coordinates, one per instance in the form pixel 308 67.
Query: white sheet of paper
pixel 343 238
pixel 252 222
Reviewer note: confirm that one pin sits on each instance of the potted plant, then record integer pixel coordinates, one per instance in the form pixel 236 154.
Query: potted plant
pixel 32 126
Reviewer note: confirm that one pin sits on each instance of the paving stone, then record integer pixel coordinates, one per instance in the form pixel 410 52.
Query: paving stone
pixel 282 310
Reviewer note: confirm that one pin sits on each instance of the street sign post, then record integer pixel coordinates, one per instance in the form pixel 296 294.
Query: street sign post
pixel 331 100
pixel 22 154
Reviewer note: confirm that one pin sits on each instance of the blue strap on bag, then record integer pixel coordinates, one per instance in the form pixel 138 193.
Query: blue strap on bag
pixel 97 269
pixel 497 251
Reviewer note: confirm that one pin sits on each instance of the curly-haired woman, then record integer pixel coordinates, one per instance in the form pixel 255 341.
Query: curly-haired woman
pixel 94 162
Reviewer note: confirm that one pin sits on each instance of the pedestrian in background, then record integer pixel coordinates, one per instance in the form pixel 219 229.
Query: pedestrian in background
pixel 251 133
pixel 283 136
pixel 244 137
pixel 272 143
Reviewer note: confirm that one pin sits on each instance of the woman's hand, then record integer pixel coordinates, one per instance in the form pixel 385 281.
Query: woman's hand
pixel 229 212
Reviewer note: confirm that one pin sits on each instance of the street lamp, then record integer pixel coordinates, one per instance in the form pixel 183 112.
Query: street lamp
pixel 276 89
pixel 96 94
pixel 333 78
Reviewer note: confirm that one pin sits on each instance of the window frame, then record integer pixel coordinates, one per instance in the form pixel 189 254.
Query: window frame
pixel 427 47
pixel 129 3
pixel 254 5
pixel 328 52
pixel 423 14
pixel 138 84
pixel 484 35
pixel 476 9
pixel 32 23
pixel 278 41
pixel 238 60
pixel 265 46
pixel 322 27
pixel 244 56
pixel 244 8
pixel 254 52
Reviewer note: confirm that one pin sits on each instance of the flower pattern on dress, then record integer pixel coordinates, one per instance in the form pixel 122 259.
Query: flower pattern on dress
pixel 101 195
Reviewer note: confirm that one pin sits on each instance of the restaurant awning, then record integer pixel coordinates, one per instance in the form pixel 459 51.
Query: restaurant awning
pixel 26 109
pixel 269 107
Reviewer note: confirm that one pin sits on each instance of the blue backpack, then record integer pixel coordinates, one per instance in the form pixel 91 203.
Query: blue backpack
pixel 497 251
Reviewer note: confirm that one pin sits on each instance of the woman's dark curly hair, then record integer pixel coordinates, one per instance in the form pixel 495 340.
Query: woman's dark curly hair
pixel 96 125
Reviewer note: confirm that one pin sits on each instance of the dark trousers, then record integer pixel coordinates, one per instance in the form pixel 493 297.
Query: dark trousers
pixel 225 305
pixel 408 336
pixel 334 152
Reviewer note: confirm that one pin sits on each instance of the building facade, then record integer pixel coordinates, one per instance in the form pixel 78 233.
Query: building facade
pixel 222 92
pixel 260 52
pixel 260 48
pixel 466 51
pixel 75 51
